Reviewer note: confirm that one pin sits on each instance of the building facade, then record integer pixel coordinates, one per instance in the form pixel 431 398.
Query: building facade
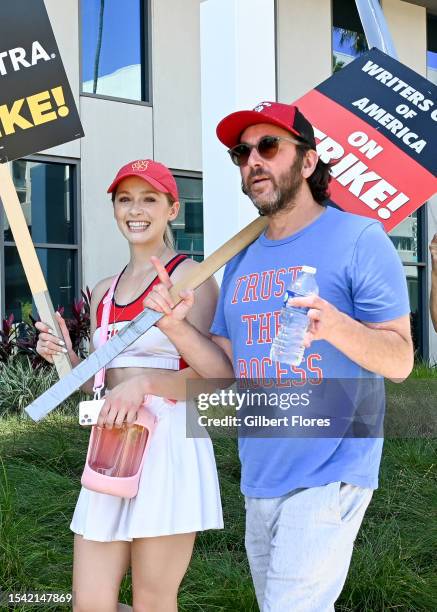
pixel 151 79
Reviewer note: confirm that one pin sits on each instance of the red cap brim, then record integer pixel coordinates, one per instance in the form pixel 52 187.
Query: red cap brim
pixel 148 179
pixel 231 127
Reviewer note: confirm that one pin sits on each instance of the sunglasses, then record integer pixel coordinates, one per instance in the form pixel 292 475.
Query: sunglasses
pixel 267 147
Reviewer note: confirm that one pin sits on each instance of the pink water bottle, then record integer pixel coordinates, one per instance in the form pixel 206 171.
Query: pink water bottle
pixel 116 456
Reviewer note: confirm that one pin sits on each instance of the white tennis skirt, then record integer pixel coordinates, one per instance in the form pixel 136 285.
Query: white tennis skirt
pixel 178 490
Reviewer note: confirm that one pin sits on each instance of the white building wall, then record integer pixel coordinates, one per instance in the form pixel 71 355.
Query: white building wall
pixel 176 83
pixel 116 133
pixel 304 47
pixel 238 71
pixel 407 23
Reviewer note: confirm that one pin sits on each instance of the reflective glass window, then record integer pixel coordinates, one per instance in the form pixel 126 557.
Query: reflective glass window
pixel 115 48
pixel 45 191
pixel 46 194
pixel 188 226
pixel 58 266
pixel 348 40
pixel 406 239
pixel 431 56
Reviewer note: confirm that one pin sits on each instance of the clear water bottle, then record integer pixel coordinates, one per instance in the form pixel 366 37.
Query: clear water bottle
pixel 287 347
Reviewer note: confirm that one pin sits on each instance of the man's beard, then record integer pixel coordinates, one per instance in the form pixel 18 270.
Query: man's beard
pixel 284 193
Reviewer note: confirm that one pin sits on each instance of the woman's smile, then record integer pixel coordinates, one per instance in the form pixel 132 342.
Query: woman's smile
pixel 137 226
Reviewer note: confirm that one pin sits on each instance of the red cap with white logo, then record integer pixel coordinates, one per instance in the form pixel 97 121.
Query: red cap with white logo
pixel 286 116
pixel 158 175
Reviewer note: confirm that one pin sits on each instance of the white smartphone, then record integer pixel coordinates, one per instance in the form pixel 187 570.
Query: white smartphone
pixel 89 411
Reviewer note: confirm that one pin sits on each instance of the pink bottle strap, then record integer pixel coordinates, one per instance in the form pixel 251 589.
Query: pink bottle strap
pixel 99 379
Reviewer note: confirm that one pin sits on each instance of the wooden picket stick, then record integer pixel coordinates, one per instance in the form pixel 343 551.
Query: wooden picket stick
pixel 29 259
pixel 218 258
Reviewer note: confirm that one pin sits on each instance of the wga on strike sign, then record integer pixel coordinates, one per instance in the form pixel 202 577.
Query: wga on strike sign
pixel 375 121
pixel 37 108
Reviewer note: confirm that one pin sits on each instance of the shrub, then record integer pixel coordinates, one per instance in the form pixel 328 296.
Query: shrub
pixel 20 339
pixel 7 337
pixel 78 324
pixel 21 384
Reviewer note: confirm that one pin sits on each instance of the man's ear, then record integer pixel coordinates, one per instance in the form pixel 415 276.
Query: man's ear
pixel 309 163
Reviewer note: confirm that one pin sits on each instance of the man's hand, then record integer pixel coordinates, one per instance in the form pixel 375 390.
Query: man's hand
pixel 384 348
pixel 433 251
pixel 159 298
pixel 123 402
pixel 324 318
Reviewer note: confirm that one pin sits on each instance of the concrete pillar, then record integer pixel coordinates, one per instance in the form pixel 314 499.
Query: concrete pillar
pixel 237 71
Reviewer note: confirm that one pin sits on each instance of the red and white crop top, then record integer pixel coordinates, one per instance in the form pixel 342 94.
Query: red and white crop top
pixel 153 349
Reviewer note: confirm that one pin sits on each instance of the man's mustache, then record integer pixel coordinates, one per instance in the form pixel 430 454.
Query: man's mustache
pixel 258 172
pixel 253 174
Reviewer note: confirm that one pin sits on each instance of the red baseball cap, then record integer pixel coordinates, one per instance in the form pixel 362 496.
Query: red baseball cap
pixel 286 116
pixel 158 175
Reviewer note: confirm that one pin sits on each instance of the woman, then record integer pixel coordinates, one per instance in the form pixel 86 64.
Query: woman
pixel 178 492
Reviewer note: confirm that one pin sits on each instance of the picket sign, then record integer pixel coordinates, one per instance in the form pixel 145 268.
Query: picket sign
pixel 37 111
pixel 375 123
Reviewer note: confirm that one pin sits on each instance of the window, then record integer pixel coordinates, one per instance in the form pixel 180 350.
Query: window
pixel 431 57
pixel 409 240
pixel 47 195
pixel 348 39
pixel 115 48
pixel 188 226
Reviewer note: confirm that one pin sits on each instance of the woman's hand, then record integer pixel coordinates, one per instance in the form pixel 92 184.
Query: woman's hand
pixel 49 345
pixel 123 402
pixel 159 298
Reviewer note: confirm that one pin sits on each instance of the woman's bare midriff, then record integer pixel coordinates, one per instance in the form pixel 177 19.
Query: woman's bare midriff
pixel 114 376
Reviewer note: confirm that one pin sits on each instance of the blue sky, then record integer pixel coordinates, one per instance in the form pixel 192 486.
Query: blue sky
pixel 121 35
pixel 343 48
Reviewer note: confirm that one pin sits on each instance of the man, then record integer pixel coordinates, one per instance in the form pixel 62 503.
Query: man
pixel 305 497
pixel 433 296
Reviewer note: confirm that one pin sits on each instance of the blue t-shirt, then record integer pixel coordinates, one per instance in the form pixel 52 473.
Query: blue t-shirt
pixel 360 273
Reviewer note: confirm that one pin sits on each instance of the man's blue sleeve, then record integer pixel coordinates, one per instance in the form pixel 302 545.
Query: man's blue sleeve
pixel 379 287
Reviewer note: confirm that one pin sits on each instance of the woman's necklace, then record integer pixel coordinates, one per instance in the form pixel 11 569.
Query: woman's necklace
pixel 134 294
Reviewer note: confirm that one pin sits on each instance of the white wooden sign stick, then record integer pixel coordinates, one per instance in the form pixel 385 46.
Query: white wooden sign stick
pixel 29 259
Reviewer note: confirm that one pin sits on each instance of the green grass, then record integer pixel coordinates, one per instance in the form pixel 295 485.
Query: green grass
pixel 393 566
pixel 422 369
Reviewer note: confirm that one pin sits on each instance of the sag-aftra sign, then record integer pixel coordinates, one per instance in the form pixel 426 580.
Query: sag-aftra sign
pixel 37 109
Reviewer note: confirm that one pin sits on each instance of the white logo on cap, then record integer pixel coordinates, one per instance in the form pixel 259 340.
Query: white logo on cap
pixel 261 106
pixel 141 164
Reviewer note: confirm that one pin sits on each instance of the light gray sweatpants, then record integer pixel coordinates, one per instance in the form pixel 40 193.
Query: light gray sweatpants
pixel 300 545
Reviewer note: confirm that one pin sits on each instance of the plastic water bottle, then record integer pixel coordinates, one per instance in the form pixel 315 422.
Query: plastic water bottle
pixel 118 452
pixel 287 347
